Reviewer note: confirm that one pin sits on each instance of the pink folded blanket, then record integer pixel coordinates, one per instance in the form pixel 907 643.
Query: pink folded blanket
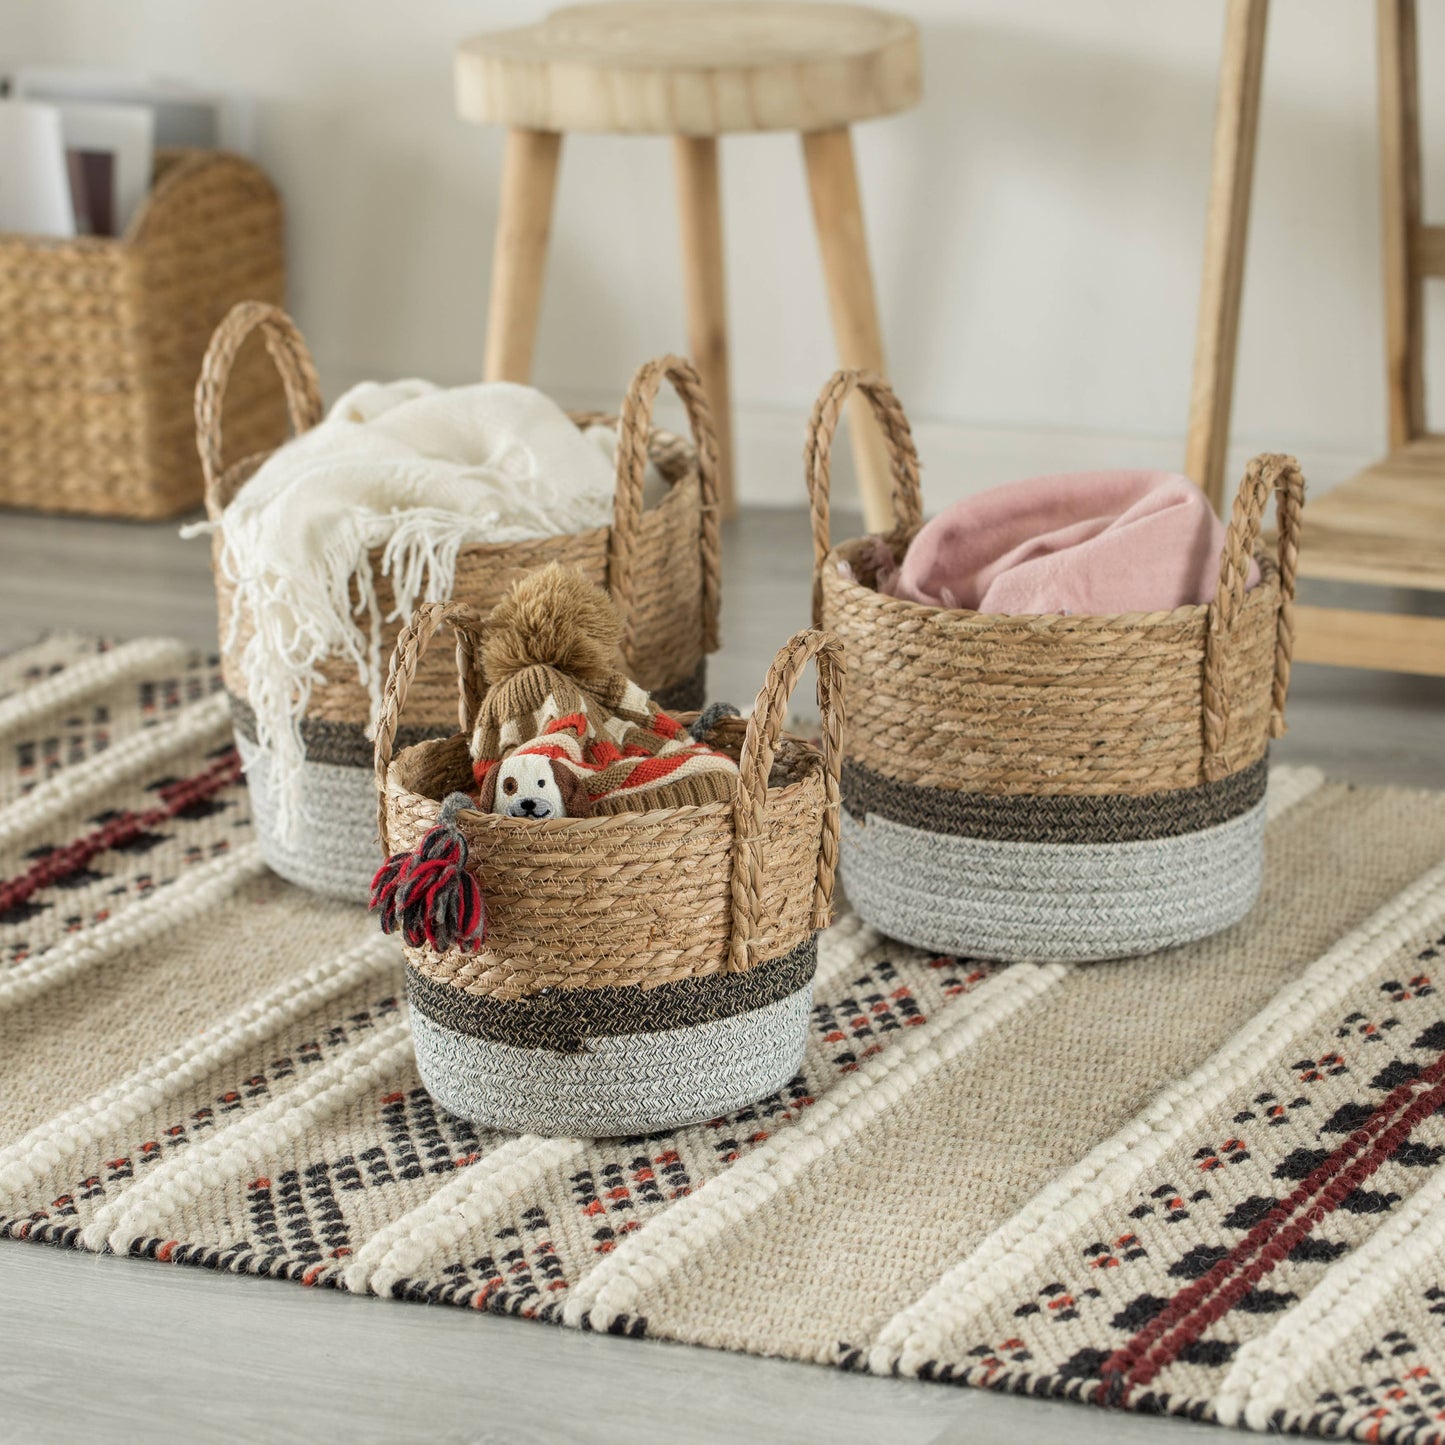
pixel 1083 542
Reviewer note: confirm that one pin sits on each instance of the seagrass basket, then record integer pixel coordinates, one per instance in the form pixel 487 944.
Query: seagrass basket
pixel 101 338
pixel 638 971
pixel 661 566
pixel 1052 787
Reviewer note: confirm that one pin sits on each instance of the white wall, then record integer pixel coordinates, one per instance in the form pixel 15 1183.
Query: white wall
pixel 1036 225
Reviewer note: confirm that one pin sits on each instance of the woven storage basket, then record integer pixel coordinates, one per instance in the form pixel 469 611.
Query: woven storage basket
pixel 100 341
pixel 661 566
pixel 1053 787
pixel 639 970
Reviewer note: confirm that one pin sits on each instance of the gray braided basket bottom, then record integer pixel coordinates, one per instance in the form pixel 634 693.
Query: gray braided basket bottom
pixel 583 1062
pixel 1064 902
pixel 333 849
pixel 1067 879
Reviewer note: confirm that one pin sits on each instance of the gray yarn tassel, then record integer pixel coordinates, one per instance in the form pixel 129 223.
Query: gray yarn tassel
pixel 710 717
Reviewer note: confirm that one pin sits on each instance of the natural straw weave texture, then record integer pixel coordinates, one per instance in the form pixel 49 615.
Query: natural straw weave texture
pixel 1209 1184
pixel 952 710
pixel 101 340
pixel 662 567
pixel 629 901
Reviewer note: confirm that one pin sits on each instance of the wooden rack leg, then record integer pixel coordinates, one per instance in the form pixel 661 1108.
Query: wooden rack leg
pixel 838 214
pixel 699 207
pixel 1226 230
pixel 529 180
pixel 1400 197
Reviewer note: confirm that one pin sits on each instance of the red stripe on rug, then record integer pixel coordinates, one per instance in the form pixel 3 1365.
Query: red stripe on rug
pixel 61 863
pixel 1209 1298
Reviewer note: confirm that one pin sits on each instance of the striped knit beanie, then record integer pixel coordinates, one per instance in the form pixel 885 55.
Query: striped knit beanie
pixel 558 692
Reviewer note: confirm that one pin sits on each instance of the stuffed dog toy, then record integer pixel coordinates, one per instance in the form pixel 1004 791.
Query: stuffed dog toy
pixel 528 785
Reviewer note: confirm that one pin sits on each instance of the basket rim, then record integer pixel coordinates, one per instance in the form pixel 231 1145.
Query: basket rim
pixel 1269 580
pixel 480 821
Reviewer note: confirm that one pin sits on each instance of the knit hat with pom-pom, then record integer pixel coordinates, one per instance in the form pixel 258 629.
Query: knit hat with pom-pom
pixel 553 658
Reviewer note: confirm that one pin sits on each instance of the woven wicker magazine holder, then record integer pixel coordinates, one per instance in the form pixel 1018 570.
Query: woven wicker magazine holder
pixel 639 970
pixel 1062 787
pixel 101 337
pixel 661 565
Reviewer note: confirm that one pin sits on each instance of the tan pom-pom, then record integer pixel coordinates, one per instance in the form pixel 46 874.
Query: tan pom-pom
pixel 558 618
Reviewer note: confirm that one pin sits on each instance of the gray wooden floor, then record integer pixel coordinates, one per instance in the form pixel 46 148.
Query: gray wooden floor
pixel 120 1350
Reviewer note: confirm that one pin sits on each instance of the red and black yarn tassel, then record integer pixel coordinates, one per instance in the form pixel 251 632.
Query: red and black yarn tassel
pixel 427 894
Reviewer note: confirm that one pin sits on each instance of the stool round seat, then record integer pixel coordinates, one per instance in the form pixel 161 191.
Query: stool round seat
pixel 704 68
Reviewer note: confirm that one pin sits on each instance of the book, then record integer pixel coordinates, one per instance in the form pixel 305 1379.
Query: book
pixel 110 151
pixel 34 181
pixel 184 116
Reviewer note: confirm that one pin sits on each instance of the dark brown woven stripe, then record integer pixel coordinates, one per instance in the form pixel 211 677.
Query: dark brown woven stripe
pixel 1058 818
pixel 564 1019
pixel 347 745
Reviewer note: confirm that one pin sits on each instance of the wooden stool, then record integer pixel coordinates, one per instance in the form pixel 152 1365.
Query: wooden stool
pixel 694 71
pixel 1386 526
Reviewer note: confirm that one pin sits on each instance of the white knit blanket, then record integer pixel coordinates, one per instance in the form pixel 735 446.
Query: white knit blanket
pixel 417 471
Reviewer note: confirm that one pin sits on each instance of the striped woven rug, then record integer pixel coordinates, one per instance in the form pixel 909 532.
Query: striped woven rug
pixel 1208 1182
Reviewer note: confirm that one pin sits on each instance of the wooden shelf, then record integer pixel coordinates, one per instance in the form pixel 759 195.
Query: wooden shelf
pixel 1392 641
pixel 1385 526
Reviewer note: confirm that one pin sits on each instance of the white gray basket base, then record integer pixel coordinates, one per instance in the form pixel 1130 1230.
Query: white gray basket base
pixel 334 849
pixel 624 1084
pixel 1061 902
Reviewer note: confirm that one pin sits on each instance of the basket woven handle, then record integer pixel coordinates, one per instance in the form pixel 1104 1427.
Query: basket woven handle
pixel 411 644
pixel 756 763
pixel 817 463
pixel 634 429
pixel 1267 473
pixel 298 376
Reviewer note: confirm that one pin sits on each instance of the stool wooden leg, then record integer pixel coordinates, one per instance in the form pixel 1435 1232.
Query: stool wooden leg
pixel 700 224
pixel 838 214
pixel 1226 229
pixel 529 178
